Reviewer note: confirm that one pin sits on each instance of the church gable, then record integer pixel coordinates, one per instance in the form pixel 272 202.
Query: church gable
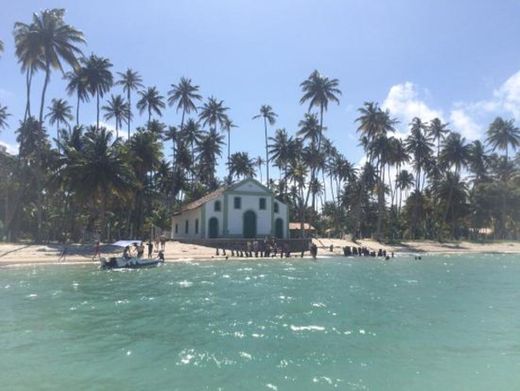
pixel 250 186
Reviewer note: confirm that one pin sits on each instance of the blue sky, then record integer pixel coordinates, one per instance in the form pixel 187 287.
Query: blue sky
pixel 459 60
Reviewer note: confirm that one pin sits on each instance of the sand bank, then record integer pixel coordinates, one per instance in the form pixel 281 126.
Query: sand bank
pixel 18 254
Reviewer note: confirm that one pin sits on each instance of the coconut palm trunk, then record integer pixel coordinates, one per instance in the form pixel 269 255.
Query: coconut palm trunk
pixel 77 109
pixel 229 152
pixel 58 133
pixel 130 112
pixel 182 118
pixel 44 90
pixel 266 154
pixel 28 81
pixel 97 114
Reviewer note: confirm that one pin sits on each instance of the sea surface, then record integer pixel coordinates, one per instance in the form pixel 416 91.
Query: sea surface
pixel 443 323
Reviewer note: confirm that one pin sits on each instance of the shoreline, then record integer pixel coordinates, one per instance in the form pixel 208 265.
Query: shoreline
pixel 13 254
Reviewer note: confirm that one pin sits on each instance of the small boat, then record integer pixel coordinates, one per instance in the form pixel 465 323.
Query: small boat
pixel 129 262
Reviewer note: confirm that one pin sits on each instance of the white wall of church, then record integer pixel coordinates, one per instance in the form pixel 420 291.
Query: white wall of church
pixel 250 187
pixel 219 215
pixel 179 225
pixel 284 215
pixel 249 202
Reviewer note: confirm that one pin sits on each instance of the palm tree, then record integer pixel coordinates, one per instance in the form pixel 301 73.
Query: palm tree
pixel 3 117
pixel 259 162
pixel 98 173
pixel 59 112
pixel 151 101
pixel 478 160
pixel 156 127
pixel 192 134
pixel 418 145
pixel 319 90
pixel 213 113
pixel 455 191
pixel 240 165
pixel 184 94
pixel 374 125
pixel 404 182
pixel 78 84
pixel 33 142
pixel 99 79
pixel 131 81
pixel 56 43
pixel 502 134
pixel 227 126
pixel 118 109
pixel 455 152
pixel 145 157
pixel 28 51
pixel 269 116
pixel 309 128
pixel 172 134
pixel 209 148
pixel 369 120
pixel 437 131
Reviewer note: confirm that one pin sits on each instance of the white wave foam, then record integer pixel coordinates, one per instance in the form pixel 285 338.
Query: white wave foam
pixel 185 284
pixel 245 355
pixel 307 328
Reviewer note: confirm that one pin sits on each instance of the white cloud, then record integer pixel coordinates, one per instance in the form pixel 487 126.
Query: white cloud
pixel 406 102
pixel 11 148
pixel 461 122
pixel 123 134
pixel 471 118
pixel 507 97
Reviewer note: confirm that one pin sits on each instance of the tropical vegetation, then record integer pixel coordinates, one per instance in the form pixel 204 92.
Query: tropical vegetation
pixel 74 181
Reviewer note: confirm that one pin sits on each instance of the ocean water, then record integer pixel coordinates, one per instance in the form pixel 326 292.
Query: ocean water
pixel 443 323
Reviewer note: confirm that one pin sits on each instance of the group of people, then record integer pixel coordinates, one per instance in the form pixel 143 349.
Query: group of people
pixel 267 248
pixel 364 251
pixel 137 249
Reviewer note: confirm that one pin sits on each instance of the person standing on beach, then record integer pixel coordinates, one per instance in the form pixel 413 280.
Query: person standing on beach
pixel 150 248
pixel 163 243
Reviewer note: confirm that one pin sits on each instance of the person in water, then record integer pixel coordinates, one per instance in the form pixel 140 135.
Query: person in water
pixel 314 251
pixel 97 251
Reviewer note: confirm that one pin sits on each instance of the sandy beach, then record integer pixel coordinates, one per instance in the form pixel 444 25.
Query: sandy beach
pixel 20 254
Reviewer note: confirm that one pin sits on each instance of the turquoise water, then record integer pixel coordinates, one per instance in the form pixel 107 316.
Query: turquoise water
pixel 444 323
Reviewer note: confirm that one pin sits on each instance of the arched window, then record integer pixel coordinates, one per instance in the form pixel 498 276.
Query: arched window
pixel 276 207
pixel 217 206
pixel 186 227
pixel 196 226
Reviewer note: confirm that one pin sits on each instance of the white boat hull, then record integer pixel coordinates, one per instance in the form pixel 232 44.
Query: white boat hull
pixel 130 263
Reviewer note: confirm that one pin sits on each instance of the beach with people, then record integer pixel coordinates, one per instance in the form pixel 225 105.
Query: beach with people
pixel 20 254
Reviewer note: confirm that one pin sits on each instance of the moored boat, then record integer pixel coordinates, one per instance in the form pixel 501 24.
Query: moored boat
pixel 127 261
